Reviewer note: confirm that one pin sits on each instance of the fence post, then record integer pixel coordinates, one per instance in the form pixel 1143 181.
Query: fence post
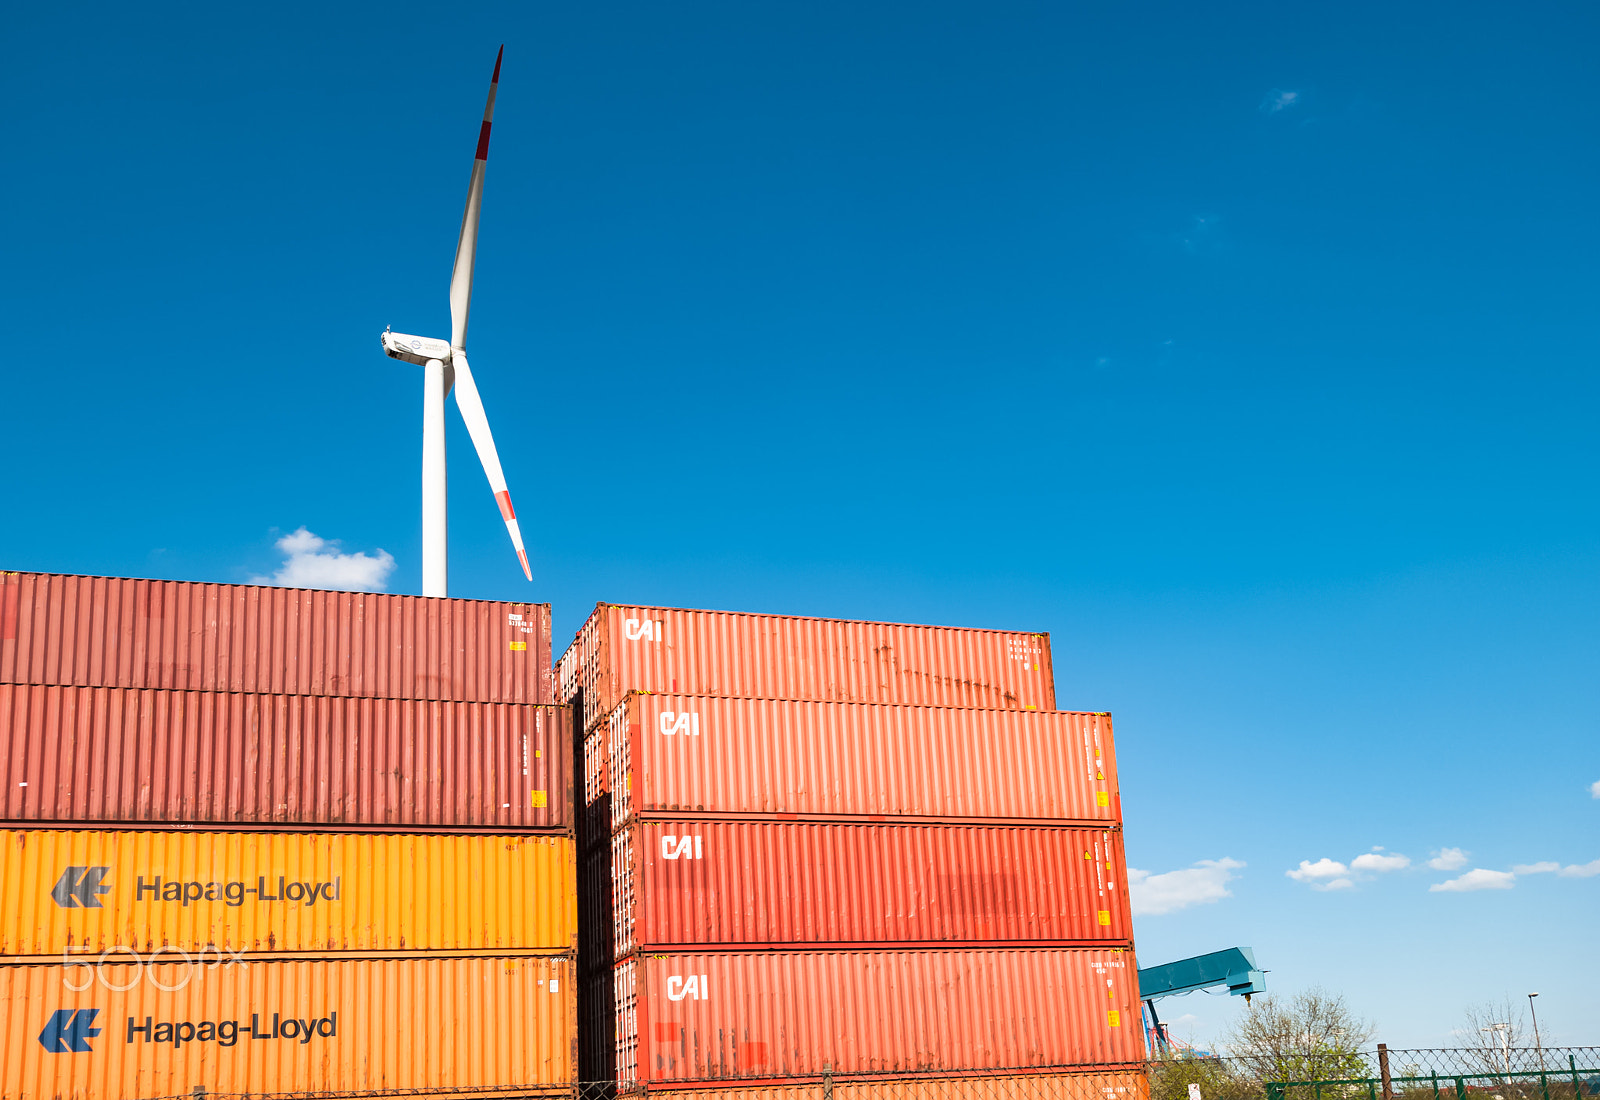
pixel 1572 1064
pixel 827 1081
pixel 1372 1090
pixel 1435 1084
pixel 1383 1068
pixel 1461 1088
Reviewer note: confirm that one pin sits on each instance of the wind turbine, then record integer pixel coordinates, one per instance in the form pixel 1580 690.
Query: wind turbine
pixel 445 367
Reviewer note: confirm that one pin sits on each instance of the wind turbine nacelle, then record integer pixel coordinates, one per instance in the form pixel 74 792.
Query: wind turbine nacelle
pixel 415 349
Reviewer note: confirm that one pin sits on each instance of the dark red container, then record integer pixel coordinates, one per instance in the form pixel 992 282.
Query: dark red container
pixel 673 754
pixel 725 1016
pixel 657 649
pixel 756 884
pixel 117 632
pixel 110 755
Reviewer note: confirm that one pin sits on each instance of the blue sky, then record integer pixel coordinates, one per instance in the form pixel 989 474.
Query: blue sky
pixel 1250 352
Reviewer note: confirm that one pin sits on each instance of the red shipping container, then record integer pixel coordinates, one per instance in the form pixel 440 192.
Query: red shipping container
pixel 671 754
pixel 72 754
pixel 117 632
pixel 1118 1084
pixel 621 649
pixel 704 1017
pixel 752 884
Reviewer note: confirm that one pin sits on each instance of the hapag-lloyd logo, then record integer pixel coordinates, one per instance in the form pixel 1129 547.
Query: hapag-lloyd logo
pixel 642 630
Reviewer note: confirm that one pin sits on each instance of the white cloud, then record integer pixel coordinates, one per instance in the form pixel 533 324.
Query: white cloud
pixel 1279 99
pixel 1580 870
pixel 1594 789
pixel 1375 860
pixel 1205 882
pixel 1320 871
pixel 1476 879
pixel 1541 868
pixel 313 562
pixel 1448 859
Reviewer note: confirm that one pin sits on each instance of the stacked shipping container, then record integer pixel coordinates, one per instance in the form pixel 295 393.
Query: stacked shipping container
pixel 863 850
pixel 265 840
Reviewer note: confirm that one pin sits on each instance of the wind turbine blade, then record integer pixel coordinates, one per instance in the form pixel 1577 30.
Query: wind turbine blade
pixel 471 406
pixel 467 243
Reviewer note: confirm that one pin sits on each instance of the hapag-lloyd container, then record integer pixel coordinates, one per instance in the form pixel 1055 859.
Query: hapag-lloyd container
pixel 119 632
pixel 80 893
pixel 1113 1085
pixel 70 754
pixel 702 1017
pixel 329 1027
pixel 621 649
pixel 672 754
pixel 755 884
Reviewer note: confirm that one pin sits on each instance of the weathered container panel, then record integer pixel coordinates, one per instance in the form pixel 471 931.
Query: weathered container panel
pixel 84 893
pixel 622 649
pixel 331 1027
pixel 685 1018
pixel 1114 1085
pixel 72 754
pixel 671 754
pixel 127 633
pixel 753 884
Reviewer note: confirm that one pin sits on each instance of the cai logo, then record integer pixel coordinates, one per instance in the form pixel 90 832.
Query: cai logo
pixel 70 1030
pixel 642 630
pixel 79 887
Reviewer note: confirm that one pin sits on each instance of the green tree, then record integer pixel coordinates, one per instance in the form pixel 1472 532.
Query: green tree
pixel 1311 1036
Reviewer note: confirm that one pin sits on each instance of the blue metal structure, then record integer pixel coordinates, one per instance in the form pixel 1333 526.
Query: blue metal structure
pixel 1235 968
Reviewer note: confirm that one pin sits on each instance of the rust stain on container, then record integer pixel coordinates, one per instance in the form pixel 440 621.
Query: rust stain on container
pixel 1114 1085
pixel 751 884
pixel 81 893
pixel 148 757
pixel 625 648
pixel 718 1016
pixel 330 1027
pixel 669 754
pixel 120 632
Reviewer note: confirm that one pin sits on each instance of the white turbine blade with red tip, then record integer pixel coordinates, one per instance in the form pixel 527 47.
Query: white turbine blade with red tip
pixel 467 243
pixel 471 406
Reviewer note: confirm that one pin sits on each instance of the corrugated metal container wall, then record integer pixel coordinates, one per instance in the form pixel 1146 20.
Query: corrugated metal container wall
pixel 87 892
pixel 701 1017
pixel 148 757
pixel 622 649
pixel 672 754
pixel 329 1027
pixel 118 632
pixel 756 884
pixel 1116 1085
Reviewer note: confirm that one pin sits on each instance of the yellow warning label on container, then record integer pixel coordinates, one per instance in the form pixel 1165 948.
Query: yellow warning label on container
pixel 540 799
pixel 1105 918
pixel 1101 798
pixel 1113 1018
pixel 518 647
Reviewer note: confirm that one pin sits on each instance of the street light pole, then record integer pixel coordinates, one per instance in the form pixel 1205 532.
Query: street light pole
pixel 1539 1046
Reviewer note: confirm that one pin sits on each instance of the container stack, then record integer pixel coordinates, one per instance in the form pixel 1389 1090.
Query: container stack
pixel 846 852
pixel 264 841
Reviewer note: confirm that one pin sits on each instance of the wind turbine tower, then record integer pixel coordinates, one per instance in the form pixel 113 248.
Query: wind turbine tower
pixel 445 368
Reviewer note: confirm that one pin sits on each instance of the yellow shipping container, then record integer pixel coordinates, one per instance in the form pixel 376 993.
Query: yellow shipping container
pixel 88 892
pixel 330 1026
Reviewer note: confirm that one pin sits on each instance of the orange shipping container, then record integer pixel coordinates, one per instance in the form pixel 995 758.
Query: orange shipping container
pixel 667 650
pixel 127 633
pixel 1114 1085
pixel 332 1027
pixel 753 884
pixel 671 754
pixel 702 1017
pixel 70 754
pixel 82 893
